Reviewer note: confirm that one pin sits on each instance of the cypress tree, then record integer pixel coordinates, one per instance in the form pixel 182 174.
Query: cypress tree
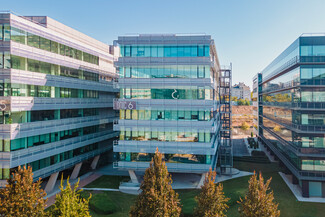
pixel 258 202
pixel 211 200
pixel 157 197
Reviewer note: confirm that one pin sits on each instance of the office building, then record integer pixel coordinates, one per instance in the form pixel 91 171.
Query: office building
pixel 292 112
pixel 56 97
pixel 169 98
pixel 241 91
pixel 255 102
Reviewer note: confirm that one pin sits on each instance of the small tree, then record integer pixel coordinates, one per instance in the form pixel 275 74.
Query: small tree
pixel 21 196
pixel 157 197
pixel 211 201
pixel 244 126
pixel 69 203
pixel 258 202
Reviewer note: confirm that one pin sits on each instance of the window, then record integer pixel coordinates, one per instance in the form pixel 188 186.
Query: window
pixel 33 40
pixel 6 32
pixel 45 44
pixel 54 47
pixel 200 50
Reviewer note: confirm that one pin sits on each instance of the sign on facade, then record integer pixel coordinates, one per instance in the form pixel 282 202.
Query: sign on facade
pixel 125 105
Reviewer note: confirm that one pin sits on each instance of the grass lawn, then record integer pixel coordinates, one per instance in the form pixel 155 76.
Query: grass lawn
pixel 235 188
pixel 108 182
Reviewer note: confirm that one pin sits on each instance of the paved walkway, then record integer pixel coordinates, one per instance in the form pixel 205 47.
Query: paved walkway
pixel 84 180
pixel 296 190
pixel 221 178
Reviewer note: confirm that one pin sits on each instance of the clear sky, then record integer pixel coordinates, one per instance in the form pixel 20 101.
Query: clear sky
pixel 247 33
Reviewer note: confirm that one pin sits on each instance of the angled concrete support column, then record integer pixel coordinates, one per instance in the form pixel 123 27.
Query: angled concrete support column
pixel 51 183
pixel 133 177
pixel 95 162
pixel 76 170
pixel 201 180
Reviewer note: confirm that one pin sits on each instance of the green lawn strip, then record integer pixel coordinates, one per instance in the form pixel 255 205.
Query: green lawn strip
pixel 234 189
pixel 108 182
pixel 109 203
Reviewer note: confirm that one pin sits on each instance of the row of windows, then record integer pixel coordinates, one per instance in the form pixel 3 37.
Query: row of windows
pixel 312 50
pixel 287 80
pixel 170 115
pixel 314 165
pixel 9 117
pixel 178 71
pixel 165 50
pixel 45 91
pixel 297 139
pixel 22 143
pixel 31 65
pixel 168 158
pixel 288 116
pixel 305 75
pixel 46 162
pixel 146 135
pixel 294 95
pixel 8 32
pixel 197 93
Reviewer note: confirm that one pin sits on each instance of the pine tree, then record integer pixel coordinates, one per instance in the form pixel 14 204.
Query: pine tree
pixel 211 200
pixel 258 202
pixel 157 197
pixel 69 203
pixel 22 197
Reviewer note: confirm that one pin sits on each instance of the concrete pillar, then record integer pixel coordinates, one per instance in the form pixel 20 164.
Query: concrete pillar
pixel 201 180
pixel 133 177
pixel 76 170
pixel 305 188
pixel 51 183
pixel 95 162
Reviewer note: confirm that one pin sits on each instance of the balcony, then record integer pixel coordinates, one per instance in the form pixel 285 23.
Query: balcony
pixel 172 167
pixel 163 124
pixel 34 78
pixel 26 51
pixel 173 104
pixel 38 103
pixel 157 61
pixel 297 105
pixel 299 128
pixel 165 147
pixel 171 83
pixel 28 155
pixel 309 175
pixel 15 131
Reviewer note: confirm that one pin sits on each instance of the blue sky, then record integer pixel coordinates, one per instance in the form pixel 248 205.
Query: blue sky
pixel 247 33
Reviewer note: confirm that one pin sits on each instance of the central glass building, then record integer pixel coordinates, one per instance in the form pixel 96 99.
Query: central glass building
pixel 168 99
pixel 292 112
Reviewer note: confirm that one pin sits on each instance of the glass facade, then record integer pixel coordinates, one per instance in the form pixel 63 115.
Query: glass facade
pixel 168 158
pixel 42 114
pixel 176 71
pixel 27 90
pixel 292 111
pixel 164 118
pixel 171 115
pixel 34 40
pixel 195 92
pixel 31 65
pixel 136 50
